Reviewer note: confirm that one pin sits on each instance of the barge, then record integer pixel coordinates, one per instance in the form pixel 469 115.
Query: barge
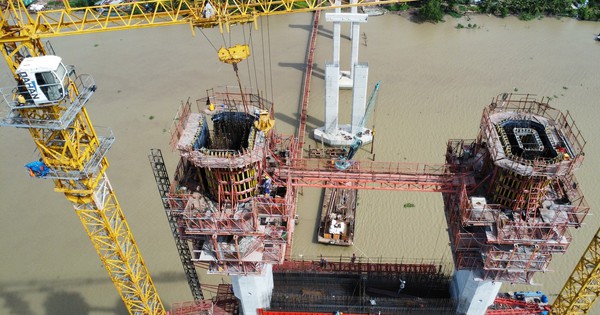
pixel 338 217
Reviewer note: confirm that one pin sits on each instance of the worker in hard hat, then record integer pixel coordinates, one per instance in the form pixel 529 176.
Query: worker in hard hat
pixel 21 100
pixel 211 106
pixel 266 185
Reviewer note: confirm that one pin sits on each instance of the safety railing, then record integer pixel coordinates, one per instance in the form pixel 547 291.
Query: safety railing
pixel 520 259
pixel 235 268
pixel 48 117
pixel 270 206
pixel 520 232
pixel 563 124
pixel 105 138
pixel 56 117
pixel 476 211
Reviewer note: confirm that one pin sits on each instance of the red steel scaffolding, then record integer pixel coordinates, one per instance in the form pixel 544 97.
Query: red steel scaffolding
pixel 525 198
pixel 235 223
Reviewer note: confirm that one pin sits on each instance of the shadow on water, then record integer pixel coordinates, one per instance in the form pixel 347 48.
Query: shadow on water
pixel 319 214
pixel 317 71
pixel 321 31
pixel 60 301
pixel 63 302
pixel 311 122
pixel 15 304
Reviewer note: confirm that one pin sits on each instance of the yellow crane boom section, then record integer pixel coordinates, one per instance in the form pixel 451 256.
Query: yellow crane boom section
pixel 583 286
pixel 128 15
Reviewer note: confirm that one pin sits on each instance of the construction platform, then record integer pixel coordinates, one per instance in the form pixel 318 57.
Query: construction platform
pixel 237 218
pixel 516 214
pixel 361 287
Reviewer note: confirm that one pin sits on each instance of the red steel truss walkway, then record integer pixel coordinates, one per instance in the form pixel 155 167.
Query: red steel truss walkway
pixel 375 175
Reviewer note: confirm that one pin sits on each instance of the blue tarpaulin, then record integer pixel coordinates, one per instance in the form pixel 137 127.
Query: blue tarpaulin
pixel 37 169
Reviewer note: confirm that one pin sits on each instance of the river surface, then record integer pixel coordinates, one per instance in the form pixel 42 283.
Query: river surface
pixel 436 80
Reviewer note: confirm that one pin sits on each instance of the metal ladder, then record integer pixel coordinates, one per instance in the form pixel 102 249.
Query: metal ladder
pixel 164 185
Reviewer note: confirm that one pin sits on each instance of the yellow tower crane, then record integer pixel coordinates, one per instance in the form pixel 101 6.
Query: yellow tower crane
pixel 583 286
pixel 72 153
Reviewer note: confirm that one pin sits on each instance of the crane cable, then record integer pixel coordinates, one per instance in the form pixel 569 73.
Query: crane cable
pixel 236 70
pixel 213 46
pixel 267 60
pixel 270 68
pixel 253 63
pixel 266 52
pixel 248 43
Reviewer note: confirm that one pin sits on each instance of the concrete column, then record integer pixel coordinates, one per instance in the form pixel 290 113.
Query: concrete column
pixel 254 292
pixel 336 19
pixel 337 30
pixel 332 97
pixel 472 295
pixel 359 96
pixel 354 35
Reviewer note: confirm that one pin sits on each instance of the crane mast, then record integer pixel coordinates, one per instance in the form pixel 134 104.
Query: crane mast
pixel 75 156
pixel 583 286
pixel 74 153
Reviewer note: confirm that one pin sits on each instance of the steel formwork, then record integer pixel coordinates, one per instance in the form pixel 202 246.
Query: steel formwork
pixel 559 126
pixel 218 194
pixel 524 199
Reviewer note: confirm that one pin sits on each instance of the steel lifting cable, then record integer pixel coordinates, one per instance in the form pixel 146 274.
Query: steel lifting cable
pixel 249 45
pixel 262 39
pixel 223 38
pixel 253 63
pixel 270 65
pixel 213 46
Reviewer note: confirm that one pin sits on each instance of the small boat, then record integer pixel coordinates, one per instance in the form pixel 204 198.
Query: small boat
pixel 337 217
pixel 598 37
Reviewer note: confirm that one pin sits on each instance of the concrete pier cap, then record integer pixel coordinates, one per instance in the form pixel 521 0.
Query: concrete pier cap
pixel 471 293
pixel 343 136
pixel 254 291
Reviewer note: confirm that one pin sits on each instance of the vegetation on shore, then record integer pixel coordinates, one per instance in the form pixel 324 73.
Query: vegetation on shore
pixel 434 10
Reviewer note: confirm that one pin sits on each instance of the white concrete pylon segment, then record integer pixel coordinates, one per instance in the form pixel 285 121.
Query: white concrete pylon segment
pixel 354 18
pixel 354 36
pixel 472 295
pixel 332 97
pixel 337 31
pixel 354 50
pixel 254 292
pixel 359 96
pixel 346 17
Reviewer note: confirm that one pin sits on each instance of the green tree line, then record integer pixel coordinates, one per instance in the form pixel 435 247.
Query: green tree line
pixel 434 10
